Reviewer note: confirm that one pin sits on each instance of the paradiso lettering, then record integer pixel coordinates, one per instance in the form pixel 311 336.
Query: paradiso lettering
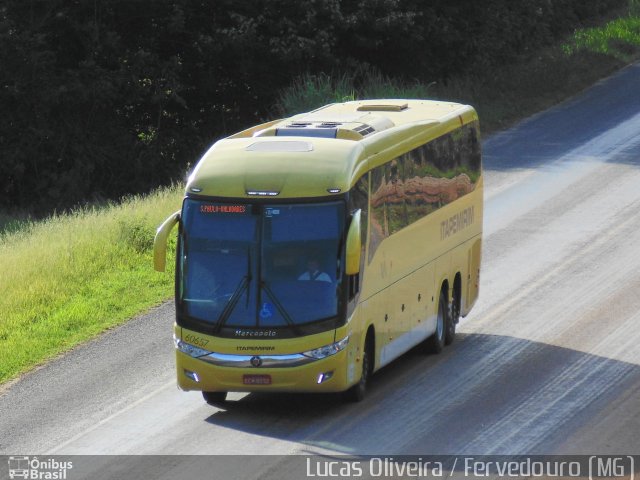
pixel 457 222
pixel 223 208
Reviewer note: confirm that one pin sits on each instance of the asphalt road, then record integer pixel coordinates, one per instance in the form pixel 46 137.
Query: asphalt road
pixel 547 363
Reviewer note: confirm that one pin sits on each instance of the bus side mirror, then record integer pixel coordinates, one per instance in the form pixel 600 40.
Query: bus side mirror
pixel 160 242
pixel 354 245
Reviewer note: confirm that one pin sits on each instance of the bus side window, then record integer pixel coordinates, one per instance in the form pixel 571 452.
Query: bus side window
pixel 379 223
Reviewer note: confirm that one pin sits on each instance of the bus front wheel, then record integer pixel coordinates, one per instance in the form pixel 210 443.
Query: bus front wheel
pixel 214 398
pixel 357 392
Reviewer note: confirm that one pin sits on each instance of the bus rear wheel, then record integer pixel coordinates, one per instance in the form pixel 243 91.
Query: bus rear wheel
pixel 454 315
pixel 435 343
pixel 214 398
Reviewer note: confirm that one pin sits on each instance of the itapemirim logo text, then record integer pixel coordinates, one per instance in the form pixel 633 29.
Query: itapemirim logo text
pixel 34 468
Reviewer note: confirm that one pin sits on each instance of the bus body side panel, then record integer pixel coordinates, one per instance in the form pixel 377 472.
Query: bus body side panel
pixel 423 312
pixel 356 328
pixel 429 240
pixel 375 310
pixel 474 257
pixel 471 282
pixel 443 271
pixel 459 266
pixel 406 269
pixel 396 324
pixel 412 318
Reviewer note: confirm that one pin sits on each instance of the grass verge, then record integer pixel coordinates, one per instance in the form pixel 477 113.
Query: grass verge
pixel 70 277
pixel 619 38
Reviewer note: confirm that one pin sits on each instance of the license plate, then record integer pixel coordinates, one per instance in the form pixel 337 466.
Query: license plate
pixel 256 379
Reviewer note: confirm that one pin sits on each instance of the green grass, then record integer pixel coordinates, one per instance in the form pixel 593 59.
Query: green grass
pixel 70 277
pixel 619 38
pixel 13 222
pixel 312 91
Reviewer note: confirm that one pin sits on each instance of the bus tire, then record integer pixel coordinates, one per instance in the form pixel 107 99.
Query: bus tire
pixel 454 315
pixel 358 391
pixel 435 343
pixel 214 398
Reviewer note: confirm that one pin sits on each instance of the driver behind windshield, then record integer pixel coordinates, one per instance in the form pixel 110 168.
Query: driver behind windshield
pixel 313 272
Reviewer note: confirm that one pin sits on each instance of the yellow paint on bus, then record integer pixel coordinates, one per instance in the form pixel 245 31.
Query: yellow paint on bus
pixel 316 249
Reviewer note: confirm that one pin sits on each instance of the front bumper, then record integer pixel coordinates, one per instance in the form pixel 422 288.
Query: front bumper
pixel 293 374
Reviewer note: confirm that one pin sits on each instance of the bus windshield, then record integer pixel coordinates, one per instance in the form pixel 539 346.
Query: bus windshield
pixel 261 266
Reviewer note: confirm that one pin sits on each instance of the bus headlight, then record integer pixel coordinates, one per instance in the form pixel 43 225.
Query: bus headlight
pixel 189 349
pixel 327 350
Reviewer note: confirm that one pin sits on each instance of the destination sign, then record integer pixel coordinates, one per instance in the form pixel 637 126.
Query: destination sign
pixel 212 208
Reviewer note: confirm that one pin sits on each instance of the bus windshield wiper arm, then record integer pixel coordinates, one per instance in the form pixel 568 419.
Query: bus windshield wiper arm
pixel 281 309
pixel 248 275
pixel 233 301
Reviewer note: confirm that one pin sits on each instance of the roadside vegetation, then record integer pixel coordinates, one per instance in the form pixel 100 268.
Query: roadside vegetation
pixel 70 276
pixel 105 99
pixel 619 38
pixel 502 95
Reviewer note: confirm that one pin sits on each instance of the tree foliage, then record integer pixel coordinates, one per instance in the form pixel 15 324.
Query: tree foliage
pixel 105 98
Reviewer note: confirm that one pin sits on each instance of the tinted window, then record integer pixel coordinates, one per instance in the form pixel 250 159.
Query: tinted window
pixel 419 182
pixel 260 266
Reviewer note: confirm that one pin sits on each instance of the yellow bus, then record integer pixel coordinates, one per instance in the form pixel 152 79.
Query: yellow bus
pixel 314 250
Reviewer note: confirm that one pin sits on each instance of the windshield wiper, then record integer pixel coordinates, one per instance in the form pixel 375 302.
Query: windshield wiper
pixel 281 309
pixel 237 293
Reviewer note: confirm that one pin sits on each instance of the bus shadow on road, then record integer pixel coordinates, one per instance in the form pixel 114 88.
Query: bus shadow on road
pixel 484 394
